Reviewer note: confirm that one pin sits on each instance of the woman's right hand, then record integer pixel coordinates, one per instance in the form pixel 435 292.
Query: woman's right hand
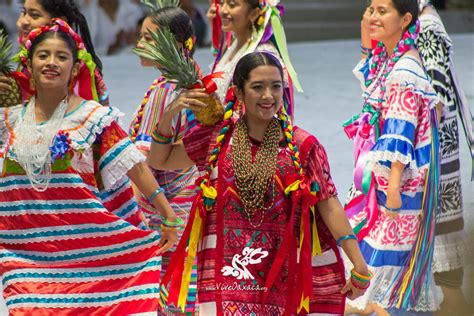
pixel 364 29
pixel 211 12
pixel 5 84
pixel 188 99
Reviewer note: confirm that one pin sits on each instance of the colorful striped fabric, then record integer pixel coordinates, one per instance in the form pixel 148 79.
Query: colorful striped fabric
pixel 178 184
pixel 64 251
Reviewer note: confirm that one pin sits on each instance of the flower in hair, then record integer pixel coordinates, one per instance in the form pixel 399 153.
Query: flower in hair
pixel 189 43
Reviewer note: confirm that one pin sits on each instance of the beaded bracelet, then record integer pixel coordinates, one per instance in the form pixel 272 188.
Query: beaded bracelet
pixel 160 138
pixel 167 229
pixel 365 50
pixel 393 209
pixel 157 191
pixel 179 222
pixel 357 286
pixel 346 237
pixel 360 277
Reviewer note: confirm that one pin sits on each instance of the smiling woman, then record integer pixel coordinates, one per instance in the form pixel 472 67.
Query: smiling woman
pixel 393 202
pixel 262 180
pixel 37 13
pixel 66 174
pixel 250 26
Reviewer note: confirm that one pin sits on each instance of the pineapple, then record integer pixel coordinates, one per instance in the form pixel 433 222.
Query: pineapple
pixel 175 65
pixel 155 5
pixel 12 97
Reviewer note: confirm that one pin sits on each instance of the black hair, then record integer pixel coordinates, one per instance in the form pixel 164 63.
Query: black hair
pixel 407 6
pixel 251 61
pixel 71 44
pixel 178 22
pixel 70 11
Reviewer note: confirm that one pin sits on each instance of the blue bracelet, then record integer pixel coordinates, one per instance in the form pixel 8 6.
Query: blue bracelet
pixel 393 209
pixel 157 191
pixel 346 237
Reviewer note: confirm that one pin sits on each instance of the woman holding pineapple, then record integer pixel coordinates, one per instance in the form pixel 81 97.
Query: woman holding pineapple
pixel 266 216
pixel 250 25
pixel 37 13
pixel 178 184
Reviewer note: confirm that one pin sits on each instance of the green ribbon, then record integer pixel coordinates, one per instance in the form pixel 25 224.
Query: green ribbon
pixel 23 53
pixel 86 57
pixel 280 38
pixel 372 121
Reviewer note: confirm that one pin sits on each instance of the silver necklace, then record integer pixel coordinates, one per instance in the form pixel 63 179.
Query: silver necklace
pixel 32 143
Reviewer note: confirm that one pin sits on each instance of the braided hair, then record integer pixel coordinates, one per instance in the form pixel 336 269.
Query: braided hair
pixel 69 10
pixel 241 74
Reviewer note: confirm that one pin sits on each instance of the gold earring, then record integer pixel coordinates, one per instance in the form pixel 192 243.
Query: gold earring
pixel 253 37
pixel 32 84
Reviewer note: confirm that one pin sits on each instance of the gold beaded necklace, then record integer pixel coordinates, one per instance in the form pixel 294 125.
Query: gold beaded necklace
pixel 254 177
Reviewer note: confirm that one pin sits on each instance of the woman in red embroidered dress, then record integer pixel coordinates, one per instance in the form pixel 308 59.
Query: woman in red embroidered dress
pixel 267 216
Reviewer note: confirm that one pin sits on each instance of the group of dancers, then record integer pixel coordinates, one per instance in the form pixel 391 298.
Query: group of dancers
pixel 240 217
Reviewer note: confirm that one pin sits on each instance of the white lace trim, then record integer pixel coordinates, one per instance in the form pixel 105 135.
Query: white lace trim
pixel 429 300
pixel 93 125
pixel 412 172
pixel 449 251
pixel 117 169
pixel 358 73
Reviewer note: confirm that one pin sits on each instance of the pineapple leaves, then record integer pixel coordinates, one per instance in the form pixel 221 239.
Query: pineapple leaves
pixel 5 53
pixel 173 62
pixel 155 5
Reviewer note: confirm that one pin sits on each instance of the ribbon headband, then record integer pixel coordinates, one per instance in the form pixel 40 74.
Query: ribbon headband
pixel 86 84
pixel 56 25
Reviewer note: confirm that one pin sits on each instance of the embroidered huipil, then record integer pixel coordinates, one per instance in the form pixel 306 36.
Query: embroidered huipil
pixel 236 253
pixel 178 184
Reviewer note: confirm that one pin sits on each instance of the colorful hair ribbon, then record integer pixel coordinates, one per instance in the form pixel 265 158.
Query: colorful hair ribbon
pixel 86 77
pixel 272 20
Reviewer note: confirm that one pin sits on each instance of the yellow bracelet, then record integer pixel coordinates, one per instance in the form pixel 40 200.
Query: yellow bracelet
pixel 167 229
pixel 360 276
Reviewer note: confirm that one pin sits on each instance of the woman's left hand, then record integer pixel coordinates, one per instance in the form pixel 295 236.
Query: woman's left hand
pixel 169 237
pixel 351 291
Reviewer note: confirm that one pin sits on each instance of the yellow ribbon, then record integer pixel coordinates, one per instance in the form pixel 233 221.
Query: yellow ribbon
pixel 192 249
pixel 86 57
pixel 227 114
pixel 293 187
pixel 208 191
pixel 304 303
pixel 316 251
